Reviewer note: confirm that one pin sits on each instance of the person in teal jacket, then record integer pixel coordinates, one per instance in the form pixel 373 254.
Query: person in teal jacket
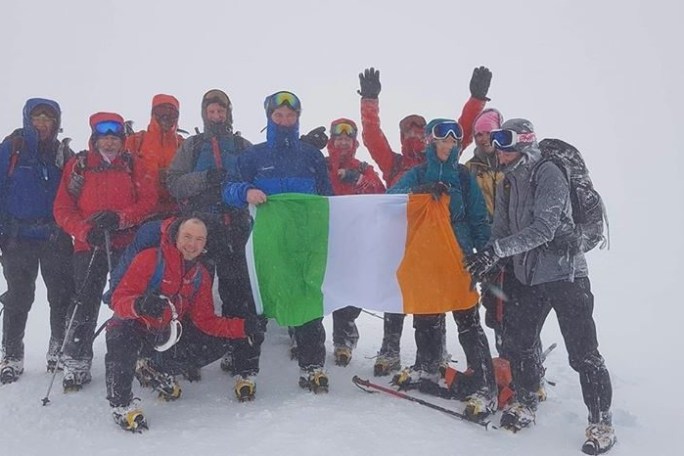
pixel 442 174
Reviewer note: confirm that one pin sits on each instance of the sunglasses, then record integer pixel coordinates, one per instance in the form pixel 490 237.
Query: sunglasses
pixel 165 113
pixel 443 129
pixel 109 127
pixel 279 99
pixel 343 128
pixel 507 140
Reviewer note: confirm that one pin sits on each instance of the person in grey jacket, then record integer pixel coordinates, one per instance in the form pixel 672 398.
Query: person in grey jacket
pixel 533 224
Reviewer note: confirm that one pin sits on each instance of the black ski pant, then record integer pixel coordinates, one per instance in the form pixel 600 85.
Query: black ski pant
pixel 429 351
pixel 227 253
pixel 22 259
pixel 523 321
pixel 393 326
pixel 310 339
pixel 345 332
pixel 128 340
pixel 90 277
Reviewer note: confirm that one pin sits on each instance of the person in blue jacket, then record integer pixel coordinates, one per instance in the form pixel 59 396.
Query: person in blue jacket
pixel 285 164
pixel 442 174
pixel 31 162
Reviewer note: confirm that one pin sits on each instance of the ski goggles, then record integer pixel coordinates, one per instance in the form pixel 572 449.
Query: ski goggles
pixel 443 129
pixel 343 128
pixel 507 140
pixel 109 127
pixel 175 329
pixel 284 98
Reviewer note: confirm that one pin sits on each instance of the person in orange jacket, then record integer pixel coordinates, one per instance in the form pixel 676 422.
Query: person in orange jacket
pixel 104 194
pixel 157 145
pixel 348 176
pixel 393 165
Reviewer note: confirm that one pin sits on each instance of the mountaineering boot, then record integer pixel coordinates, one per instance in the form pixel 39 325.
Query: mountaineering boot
pixel 76 374
pixel 52 356
pixel 517 416
pixel 165 384
pixel 130 417
pixel 412 378
pixel 385 364
pixel 10 370
pixel 343 355
pixel 193 374
pixel 245 387
pixel 600 436
pixel 315 380
pixel 480 404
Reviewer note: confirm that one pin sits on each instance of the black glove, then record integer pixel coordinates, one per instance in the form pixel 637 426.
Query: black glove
pixel 96 237
pixel 480 263
pixel 255 327
pixel 316 138
pixel 105 220
pixel 151 305
pixel 436 189
pixel 216 176
pixel 349 175
pixel 370 83
pixel 479 83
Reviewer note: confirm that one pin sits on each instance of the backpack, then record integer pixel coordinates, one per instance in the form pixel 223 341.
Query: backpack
pixel 588 210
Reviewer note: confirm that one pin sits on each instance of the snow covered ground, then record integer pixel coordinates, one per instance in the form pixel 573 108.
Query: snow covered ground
pixel 605 76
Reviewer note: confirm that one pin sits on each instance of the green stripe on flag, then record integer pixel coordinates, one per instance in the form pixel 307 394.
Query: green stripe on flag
pixel 290 246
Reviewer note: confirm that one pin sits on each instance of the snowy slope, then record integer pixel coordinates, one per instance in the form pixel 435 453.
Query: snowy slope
pixel 287 420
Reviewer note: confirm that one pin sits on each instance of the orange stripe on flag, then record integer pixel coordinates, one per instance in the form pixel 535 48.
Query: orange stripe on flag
pixel 431 274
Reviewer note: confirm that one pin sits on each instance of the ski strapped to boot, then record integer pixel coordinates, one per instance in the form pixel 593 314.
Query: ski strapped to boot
pixel 366 385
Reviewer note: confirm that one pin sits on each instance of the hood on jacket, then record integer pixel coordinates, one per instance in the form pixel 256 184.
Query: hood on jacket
pixel 158 100
pixel 411 146
pixel 220 97
pixel 528 146
pixel 103 117
pixel 34 104
pixel 338 157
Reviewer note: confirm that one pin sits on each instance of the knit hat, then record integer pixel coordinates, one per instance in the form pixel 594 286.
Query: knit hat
pixel 488 120
pixel 525 131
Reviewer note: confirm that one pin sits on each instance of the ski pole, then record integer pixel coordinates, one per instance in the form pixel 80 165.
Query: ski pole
pixel 367 384
pixel 108 249
pixel 373 314
pixel 77 304
pixel 101 328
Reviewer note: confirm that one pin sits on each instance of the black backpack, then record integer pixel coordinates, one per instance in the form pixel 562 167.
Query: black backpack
pixel 588 210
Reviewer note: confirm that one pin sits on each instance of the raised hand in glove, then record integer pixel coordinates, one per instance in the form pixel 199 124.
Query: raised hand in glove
pixel 151 305
pixel 479 83
pixel 105 220
pixel 436 189
pixel 370 83
pixel 480 263
pixel 316 138
pixel 216 176
pixel 96 237
pixel 349 175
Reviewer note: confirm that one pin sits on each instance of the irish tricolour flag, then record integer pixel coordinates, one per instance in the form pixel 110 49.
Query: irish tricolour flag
pixel 309 255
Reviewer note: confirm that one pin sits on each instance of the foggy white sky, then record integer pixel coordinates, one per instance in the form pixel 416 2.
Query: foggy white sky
pixel 605 76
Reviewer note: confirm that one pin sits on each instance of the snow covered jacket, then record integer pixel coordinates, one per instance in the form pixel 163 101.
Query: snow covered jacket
pixel 485 169
pixel 466 206
pixel 369 182
pixel 179 284
pixel 528 216
pixel 282 164
pixel 392 164
pixel 30 172
pixel 156 148
pixel 187 176
pixel 123 186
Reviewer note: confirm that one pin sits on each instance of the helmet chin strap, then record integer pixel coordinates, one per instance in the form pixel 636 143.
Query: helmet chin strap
pixel 175 329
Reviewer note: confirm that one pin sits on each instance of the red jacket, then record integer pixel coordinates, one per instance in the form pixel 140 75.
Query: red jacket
pixel 369 183
pixel 392 164
pixel 124 187
pixel 156 149
pixel 178 284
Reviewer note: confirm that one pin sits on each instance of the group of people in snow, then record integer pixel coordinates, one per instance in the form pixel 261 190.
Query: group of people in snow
pixel 162 215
